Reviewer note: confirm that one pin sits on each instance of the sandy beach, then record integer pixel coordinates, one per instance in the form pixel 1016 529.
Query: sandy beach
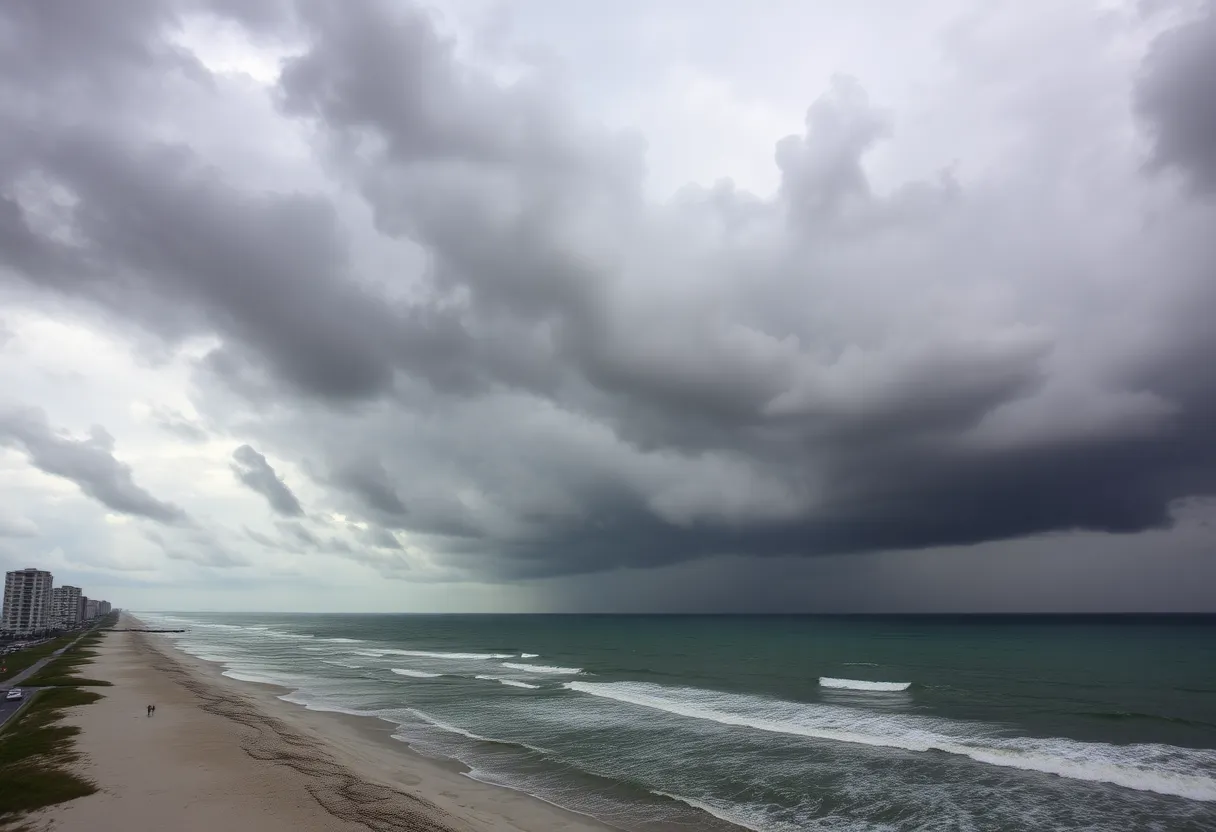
pixel 227 755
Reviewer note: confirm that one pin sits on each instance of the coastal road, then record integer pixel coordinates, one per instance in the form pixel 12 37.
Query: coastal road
pixel 7 709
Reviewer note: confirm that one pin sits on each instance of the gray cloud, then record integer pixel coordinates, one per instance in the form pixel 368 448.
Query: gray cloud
pixel 1175 97
pixel 17 527
pixel 178 425
pixel 368 481
pixel 252 469
pixel 89 463
pixel 541 371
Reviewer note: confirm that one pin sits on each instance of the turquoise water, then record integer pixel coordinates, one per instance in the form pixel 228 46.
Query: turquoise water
pixel 772 722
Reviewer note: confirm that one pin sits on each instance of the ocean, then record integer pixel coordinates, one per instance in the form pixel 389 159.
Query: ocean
pixel 775 722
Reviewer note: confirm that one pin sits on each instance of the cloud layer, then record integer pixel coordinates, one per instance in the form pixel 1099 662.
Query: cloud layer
pixel 441 293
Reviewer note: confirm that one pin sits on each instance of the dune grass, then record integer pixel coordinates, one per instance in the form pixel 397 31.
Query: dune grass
pixel 36 754
pixel 62 671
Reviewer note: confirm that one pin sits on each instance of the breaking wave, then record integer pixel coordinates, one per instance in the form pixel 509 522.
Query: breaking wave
pixel 1164 769
pixel 510 682
pixel 417 674
pixel 858 684
pixel 543 668
pixel 426 654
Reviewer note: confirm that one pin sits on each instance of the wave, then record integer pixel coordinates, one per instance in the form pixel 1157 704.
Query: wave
pixel 296 698
pixel 417 674
pixel 426 654
pixel 1164 769
pixel 543 668
pixel 344 640
pixel 443 726
pixel 342 664
pixel 741 815
pixel 529 655
pixel 857 684
pixel 371 654
pixel 860 664
pixel 247 676
pixel 510 682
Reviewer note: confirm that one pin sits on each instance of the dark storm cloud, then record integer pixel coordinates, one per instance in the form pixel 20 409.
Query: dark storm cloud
pixel 369 482
pixel 1175 96
pixel 578 378
pixel 89 463
pixel 252 469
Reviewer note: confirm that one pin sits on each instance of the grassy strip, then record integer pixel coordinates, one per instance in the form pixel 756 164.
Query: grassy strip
pixel 36 752
pixel 62 671
pixel 23 659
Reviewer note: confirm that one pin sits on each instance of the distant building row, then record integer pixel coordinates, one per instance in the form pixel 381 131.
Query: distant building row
pixel 33 604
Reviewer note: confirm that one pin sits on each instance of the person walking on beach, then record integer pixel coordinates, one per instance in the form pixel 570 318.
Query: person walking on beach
pixel 153 710
pixel 149 710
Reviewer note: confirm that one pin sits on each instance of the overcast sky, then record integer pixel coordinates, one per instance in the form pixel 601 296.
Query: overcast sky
pixel 561 305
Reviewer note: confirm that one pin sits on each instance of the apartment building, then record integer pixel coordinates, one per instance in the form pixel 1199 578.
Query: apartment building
pixel 90 609
pixel 27 601
pixel 65 606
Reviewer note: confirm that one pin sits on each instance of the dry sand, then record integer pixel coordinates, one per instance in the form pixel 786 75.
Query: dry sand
pixel 225 756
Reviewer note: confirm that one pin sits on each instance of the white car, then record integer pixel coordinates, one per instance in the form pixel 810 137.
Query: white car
pixel 15 693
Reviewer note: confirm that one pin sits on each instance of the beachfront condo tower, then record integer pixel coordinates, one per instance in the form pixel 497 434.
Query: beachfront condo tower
pixel 65 606
pixel 27 601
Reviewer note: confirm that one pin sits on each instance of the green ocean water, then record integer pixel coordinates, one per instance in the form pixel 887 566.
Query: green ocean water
pixel 776 722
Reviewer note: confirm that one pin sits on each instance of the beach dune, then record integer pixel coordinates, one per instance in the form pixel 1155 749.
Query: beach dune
pixel 229 756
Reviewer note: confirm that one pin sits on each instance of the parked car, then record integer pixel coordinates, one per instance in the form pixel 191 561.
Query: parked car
pixel 15 693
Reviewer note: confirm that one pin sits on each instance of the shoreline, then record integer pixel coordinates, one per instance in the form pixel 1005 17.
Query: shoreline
pixel 283 765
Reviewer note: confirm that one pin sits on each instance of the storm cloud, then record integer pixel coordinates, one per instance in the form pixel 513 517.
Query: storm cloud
pixel 88 462
pixel 252 469
pixel 453 303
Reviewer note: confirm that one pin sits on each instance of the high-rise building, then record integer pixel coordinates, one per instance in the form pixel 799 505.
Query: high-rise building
pixel 27 601
pixel 103 608
pixel 90 609
pixel 65 606
pixel 84 608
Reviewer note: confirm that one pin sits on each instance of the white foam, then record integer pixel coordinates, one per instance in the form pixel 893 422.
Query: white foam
pixel 543 668
pixel 417 674
pixel 426 654
pixel 529 655
pixel 858 684
pixel 748 817
pixel 371 654
pixel 1164 769
pixel 342 664
pixel 296 699
pixel 513 683
pixel 246 676
pixel 344 640
pixel 443 726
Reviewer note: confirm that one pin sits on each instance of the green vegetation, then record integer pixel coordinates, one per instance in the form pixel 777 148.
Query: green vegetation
pixel 23 659
pixel 36 752
pixel 61 671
